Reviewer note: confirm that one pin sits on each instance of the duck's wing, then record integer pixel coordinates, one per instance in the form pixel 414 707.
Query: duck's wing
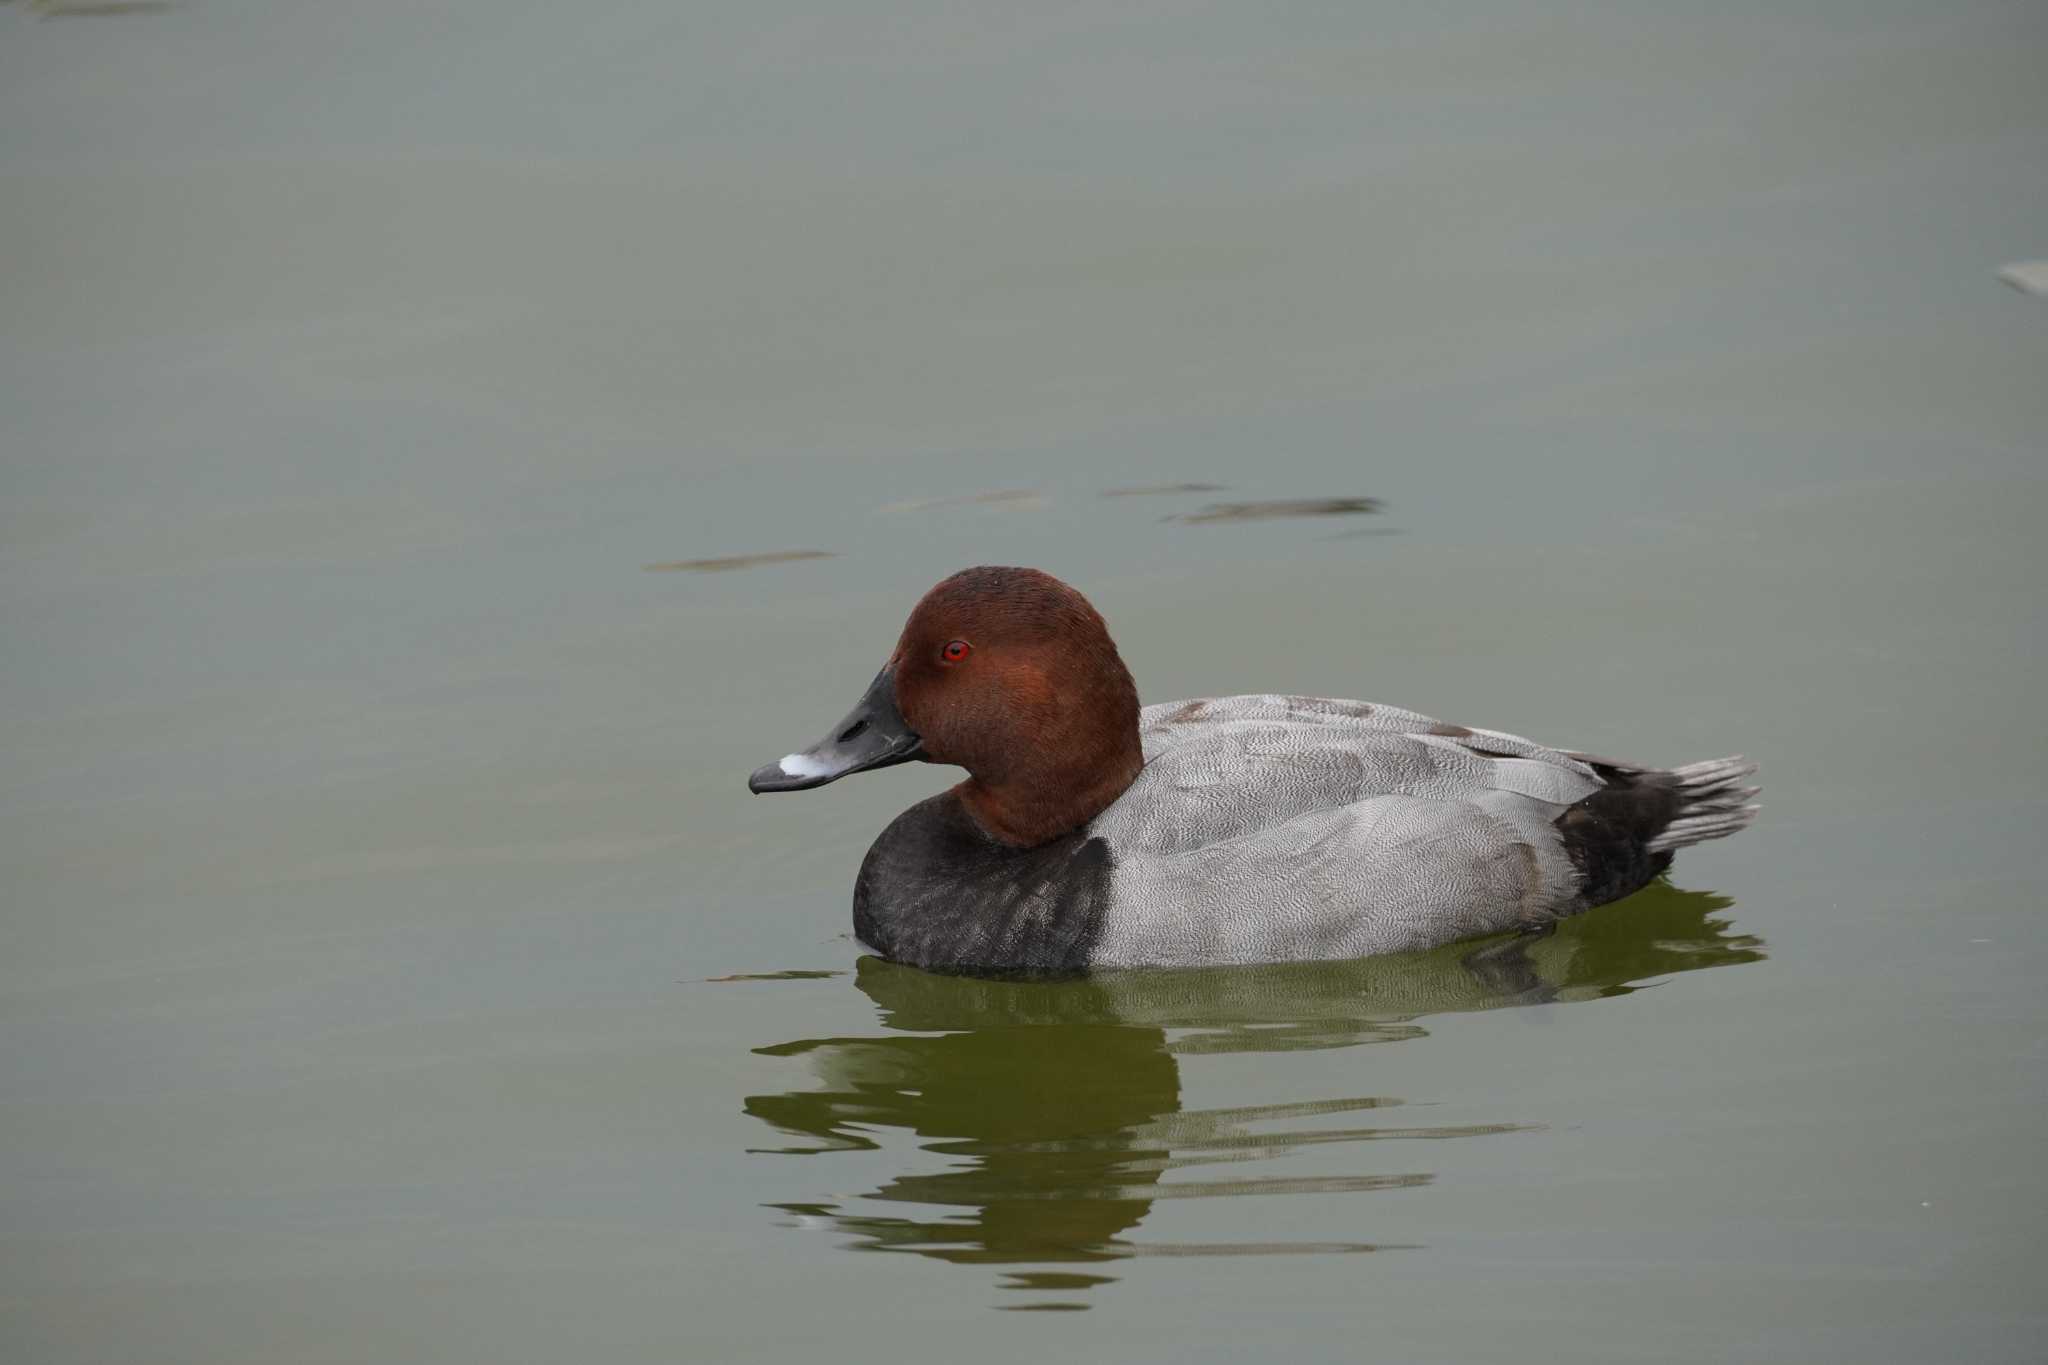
pixel 1267 828
pixel 1222 768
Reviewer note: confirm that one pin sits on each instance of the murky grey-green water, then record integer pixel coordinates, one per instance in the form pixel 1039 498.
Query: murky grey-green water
pixel 395 967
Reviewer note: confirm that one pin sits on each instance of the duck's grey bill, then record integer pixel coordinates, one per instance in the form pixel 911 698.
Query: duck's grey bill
pixel 873 735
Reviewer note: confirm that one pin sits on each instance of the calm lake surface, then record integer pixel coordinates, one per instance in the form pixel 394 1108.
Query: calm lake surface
pixel 393 966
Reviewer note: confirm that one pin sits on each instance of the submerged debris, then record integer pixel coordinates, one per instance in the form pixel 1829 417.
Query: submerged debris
pixel 730 562
pixel 1281 507
pixel 2029 277
pixel 1023 499
pixel 1155 489
pixel 61 9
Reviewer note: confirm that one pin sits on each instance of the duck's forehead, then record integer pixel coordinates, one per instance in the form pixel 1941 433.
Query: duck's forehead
pixel 1011 602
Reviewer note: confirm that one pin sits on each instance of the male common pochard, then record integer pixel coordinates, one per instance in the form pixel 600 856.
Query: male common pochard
pixel 1092 832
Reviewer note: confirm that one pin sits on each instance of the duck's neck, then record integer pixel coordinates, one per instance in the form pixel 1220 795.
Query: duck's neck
pixel 1039 801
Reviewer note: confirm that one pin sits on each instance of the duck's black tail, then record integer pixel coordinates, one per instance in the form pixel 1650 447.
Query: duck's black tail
pixel 1623 835
pixel 1712 803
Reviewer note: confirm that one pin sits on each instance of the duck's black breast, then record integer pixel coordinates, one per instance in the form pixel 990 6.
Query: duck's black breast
pixel 936 892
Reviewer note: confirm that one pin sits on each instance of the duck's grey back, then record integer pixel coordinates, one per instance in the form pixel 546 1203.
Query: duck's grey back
pixel 1271 828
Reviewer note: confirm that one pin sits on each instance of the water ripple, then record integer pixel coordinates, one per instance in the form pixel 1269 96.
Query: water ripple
pixel 1039 1122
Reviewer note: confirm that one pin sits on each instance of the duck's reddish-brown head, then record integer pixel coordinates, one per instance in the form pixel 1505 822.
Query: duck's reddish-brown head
pixel 1010 674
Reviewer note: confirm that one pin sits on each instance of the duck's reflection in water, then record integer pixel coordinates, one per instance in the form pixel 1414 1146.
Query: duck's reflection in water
pixel 1054 1106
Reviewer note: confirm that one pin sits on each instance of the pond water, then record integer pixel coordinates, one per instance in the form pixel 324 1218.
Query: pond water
pixel 396 968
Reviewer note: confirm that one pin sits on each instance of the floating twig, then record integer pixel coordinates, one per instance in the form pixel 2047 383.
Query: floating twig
pixel 727 563
pixel 1281 507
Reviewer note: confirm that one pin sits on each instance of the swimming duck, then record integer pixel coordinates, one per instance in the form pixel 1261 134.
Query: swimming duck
pixel 1092 832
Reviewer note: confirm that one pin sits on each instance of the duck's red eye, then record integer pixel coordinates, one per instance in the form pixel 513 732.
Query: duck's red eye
pixel 955 651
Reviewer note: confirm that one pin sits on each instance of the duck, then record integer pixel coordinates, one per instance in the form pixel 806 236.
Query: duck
pixel 1093 832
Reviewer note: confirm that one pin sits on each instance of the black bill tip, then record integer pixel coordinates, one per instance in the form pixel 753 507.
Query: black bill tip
pixel 773 777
